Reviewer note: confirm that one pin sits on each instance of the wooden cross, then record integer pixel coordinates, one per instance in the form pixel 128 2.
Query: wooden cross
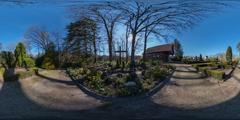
pixel 120 51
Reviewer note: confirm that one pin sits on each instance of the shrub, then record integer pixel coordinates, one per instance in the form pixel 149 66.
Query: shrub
pixel 118 64
pixel 127 91
pixel 229 55
pixel 95 81
pixel 217 74
pixel 123 91
pixel 48 64
pixel 147 84
pixel 78 73
pixel 20 54
pixel 29 62
pixel 1 71
pixel 198 65
pixel 159 73
pixel 225 65
pixel 203 69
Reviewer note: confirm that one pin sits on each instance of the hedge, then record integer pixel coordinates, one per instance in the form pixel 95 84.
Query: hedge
pixel 203 69
pixel 217 74
pixel 197 66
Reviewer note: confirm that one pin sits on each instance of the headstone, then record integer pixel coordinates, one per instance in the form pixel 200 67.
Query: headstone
pixel 130 84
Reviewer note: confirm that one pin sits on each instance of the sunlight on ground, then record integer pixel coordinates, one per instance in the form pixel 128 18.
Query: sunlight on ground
pixel 198 96
pixel 58 93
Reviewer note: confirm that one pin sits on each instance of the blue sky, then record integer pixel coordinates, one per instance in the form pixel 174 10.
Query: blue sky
pixel 211 36
pixel 214 34
pixel 15 20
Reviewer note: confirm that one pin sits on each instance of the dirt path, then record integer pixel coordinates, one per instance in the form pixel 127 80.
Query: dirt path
pixel 56 97
pixel 189 89
pixel 43 97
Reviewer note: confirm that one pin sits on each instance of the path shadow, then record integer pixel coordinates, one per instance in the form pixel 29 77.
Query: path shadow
pixel 228 76
pixel 15 104
pixel 56 80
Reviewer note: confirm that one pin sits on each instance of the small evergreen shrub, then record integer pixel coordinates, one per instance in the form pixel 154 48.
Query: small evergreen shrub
pixel 94 81
pixel 78 73
pixel 159 73
pixel 217 74
pixel 147 84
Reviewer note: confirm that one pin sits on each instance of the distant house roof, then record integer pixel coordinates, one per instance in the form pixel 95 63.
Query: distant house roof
pixel 161 48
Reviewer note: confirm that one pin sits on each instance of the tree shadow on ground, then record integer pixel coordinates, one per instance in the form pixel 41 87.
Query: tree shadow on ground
pixel 230 74
pixel 148 108
pixel 55 80
pixel 14 104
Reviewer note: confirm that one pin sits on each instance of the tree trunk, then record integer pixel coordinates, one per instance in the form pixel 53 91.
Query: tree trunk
pixel 110 47
pixel 95 48
pixel 133 51
pixel 126 50
pixel 145 45
pixel 127 36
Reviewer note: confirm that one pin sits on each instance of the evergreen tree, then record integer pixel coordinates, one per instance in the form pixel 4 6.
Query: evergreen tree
pixel 200 57
pixel 49 60
pixel 20 54
pixel 178 51
pixel 81 38
pixel 229 55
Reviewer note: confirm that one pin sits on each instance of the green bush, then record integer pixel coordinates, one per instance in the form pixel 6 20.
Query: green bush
pixel 217 74
pixel 225 65
pixel 48 63
pixel 29 62
pixel 159 73
pixel 94 81
pixel 203 69
pixel 78 73
pixel 147 84
pixel 229 55
pixel 123 91
pixel 198 65
pixel 2 71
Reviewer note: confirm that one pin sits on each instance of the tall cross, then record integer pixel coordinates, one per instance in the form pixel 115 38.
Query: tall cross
pixel 120 51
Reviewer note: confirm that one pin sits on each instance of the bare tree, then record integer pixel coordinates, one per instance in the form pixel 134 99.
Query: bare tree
pixel 127 33
pixel 107 16
pixel 38 37
pixel 57 39
pixel 175 15
pixel 28 45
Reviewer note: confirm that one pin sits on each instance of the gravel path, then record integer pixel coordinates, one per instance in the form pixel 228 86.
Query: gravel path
pixel 56 97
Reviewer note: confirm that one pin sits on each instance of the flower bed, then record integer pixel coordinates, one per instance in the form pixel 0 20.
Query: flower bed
pixel 120 83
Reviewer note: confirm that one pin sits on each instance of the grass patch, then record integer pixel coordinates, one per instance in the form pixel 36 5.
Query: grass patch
pixel 23 75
